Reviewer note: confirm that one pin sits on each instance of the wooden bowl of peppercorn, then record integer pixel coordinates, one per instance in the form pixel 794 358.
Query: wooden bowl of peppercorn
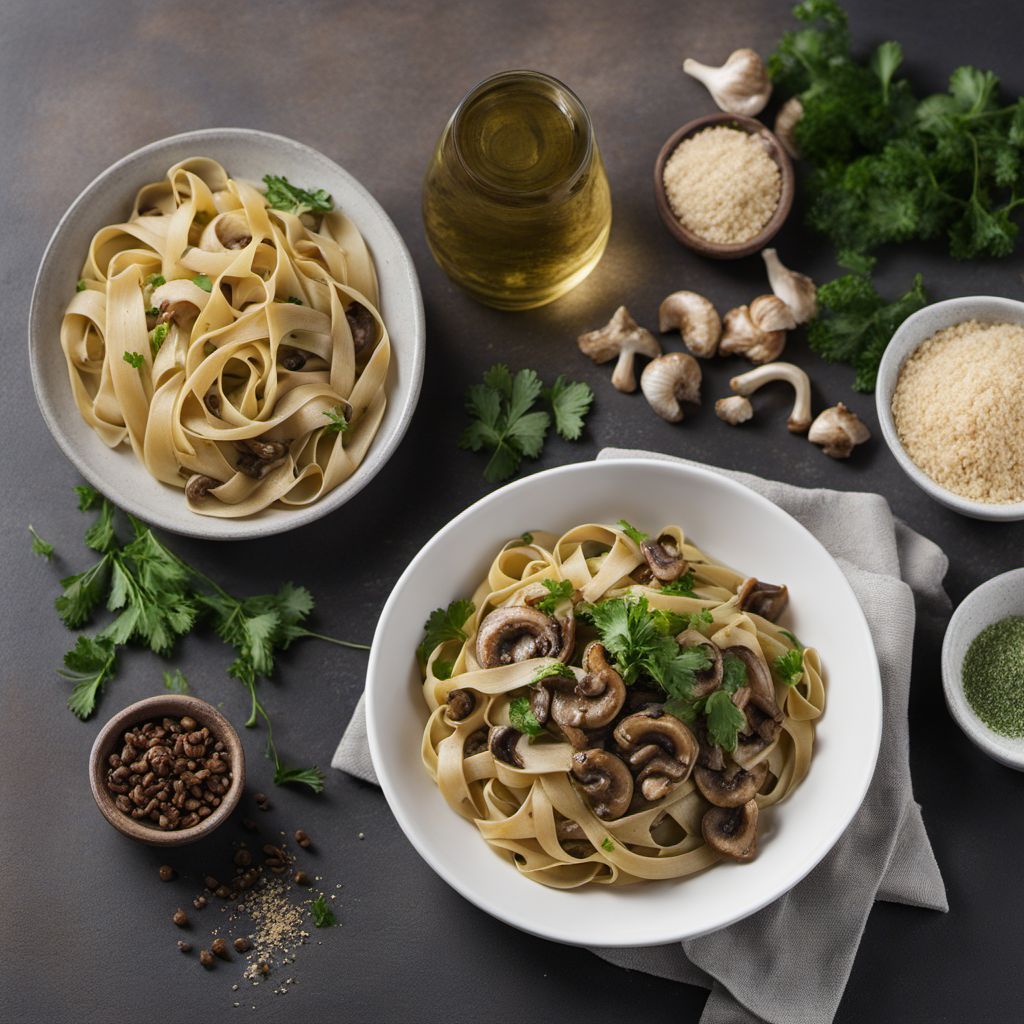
pixel 167 770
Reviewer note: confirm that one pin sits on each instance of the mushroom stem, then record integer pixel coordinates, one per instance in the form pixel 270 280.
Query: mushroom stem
pixel 747 383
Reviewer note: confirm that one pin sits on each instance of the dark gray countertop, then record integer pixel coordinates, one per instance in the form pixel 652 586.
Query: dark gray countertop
pixel 85 926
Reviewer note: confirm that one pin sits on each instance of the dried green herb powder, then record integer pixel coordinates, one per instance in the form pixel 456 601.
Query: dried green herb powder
pixel 993 675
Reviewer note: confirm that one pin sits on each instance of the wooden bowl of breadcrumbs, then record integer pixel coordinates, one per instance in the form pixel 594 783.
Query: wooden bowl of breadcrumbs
pixel 724 185
pixel 950 400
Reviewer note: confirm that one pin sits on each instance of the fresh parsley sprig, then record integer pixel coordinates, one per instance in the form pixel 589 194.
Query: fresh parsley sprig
pixel 570 402
pixel 522 717
pixel 558 591
pixel 443 624
pixel 283 195
pixel 635 535
pixel 40 547
pixel 323 916
pixel 723 719
pixel 681 587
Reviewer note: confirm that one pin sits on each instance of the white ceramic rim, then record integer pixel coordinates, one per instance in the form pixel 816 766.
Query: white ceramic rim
pixel 378 454
pixel 892 362
pixel 668 932
pixel 952 676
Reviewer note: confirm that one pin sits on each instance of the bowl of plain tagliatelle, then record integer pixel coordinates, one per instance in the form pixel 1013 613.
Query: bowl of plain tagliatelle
pixel 628 693
pixel 226 334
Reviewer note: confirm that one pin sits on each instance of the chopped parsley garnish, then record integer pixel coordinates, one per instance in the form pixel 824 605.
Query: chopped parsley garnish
pixel 444 624
pixel 283 195
pixel 724 720
pixel 681 587
pixel 136 359
pixel 607 845
pixel 157 337
pixel 702 618
pixel 526 538
pixel 570 402
pixel 734 672
pixel 635 535
pixel 40 547
pixel 80 287
pixel 175 681
pixel 155 280
pixel 558 591
pixel 203 281
pixel 790 666
pixel 522 717
pixel 323 916
pixel 339 422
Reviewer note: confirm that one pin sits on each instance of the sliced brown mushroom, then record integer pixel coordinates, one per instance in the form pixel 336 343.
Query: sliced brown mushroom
pixel 460 704
pixel 759 682
pixel 768 600
pixel 620 339
pixel 606 781
pixel 362 324
pixel 181 312
pixel 501 742
pixel 709 679
pixel 588 703
pixel 663 558
pixel 732 831
pixel 198 486
pixel 265 451
pixel 660 748
pixel 572 838
pixel 232 230
pixel 517 633
pixel 730 788
pixel 476 743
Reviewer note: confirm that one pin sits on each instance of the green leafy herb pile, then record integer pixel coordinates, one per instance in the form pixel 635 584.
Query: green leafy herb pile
pixel 158 598
pixel 505 423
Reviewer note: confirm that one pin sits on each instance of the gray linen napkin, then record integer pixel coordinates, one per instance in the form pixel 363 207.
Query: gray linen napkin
pixel 814 930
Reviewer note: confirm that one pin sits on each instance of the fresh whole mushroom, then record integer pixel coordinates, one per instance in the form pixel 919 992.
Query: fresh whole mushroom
pixel 621 339
pixel 606 781
pixel 660 748
pixel 742 337
pixel 734 410
pixel 695 318
pixel 732 831
pixel 747 383
pixel 517 633
pixel 838 431
pixel 796 290
pixel 669 380
pixel 740 86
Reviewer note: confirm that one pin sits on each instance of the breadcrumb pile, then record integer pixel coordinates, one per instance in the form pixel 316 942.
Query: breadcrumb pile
pixel 958 407
pixel 722 185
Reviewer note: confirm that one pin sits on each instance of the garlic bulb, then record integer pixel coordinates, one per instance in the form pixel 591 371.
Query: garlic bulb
pixel 796 290
pixel 740 86
pixel 770 313
pixel 785 123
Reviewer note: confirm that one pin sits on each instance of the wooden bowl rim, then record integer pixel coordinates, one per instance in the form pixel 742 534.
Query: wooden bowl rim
pixel 171 705
pixel 733 250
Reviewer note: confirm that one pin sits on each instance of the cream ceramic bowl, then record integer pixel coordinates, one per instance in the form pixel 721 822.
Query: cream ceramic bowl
pixel 911 333
pixel 733 524
pixel 993 600
pixel 245 154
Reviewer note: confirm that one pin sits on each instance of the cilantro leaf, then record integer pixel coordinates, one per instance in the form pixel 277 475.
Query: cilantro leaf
pixel 283 195
pixel 724 720
pixel 734 672
pixel 134 359
pixel 558 591
pixel 339 422
pixel 100 536
pixel 697 619
pixel 557 668
pixel 523 718
pixel 681 587
pixel 89 664
pixel 176 682
pixel 442 625
pixel 203 281
pixel 570 402
pixel 635 535
pixel 790 666
pixel 323 916
pixel 155 280
pixel 83 592
pixel 40 547
pixel 886 59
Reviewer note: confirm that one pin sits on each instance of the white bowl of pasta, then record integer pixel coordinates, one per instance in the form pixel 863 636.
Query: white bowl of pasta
pixel 226 334
pixel 638 733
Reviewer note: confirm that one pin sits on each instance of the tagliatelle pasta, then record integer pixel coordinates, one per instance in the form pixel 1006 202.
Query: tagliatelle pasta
pixel 572 761
pixel 237 349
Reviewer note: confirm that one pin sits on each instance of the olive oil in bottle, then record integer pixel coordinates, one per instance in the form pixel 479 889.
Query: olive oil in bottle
pixel 516 203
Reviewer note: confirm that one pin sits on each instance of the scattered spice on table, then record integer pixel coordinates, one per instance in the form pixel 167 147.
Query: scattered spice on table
pixel 958 409
pixel 993 676
pixel 722 185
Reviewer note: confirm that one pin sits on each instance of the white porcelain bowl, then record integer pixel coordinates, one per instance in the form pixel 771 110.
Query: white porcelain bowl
pixel 912 332
pixel 733 524
pixel 107 200
pixel 993 600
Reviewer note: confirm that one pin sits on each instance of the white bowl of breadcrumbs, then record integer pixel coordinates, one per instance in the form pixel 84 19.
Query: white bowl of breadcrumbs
pixel 950 398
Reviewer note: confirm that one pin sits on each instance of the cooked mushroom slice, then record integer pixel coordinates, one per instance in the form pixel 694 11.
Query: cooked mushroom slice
pixel 232 230
pixel 594 700
pixel 460 704
pixel 517 633
pixel 708 680
pixel 501 742
pixel 197 487
pixel 731 787
pixel 768 600
pixel 732 831
pixel 572 838
pixel 838 431
pixel 606 781
pixel 475 743
pixel 362 324
pixel 661 748
pixel 622 338
pixel 264 451
pixel 760 685
pixel 181 312
pixel 669 380
pixel 695 318
pixel 663 558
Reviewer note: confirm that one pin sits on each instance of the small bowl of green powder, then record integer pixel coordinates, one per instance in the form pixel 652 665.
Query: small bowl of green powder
pixel 983 667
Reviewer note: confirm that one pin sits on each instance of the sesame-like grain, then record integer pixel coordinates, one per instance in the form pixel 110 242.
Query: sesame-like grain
pixel 958 408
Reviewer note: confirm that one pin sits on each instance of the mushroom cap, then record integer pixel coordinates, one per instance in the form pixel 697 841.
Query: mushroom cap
pixel 695 318
pixel 734 409
pixel 770 313
pixel 730 789
pixel 461 703
pixel 741 336
pixel 669 380
pixel 708 680
pixel 501 742
pixel 768 600
pixel 606 781
pixel 796 290
pixel 838 430
pixel 594 700
pixel 621 337
pixel 661 748
pixel 732 831
pixel 513 633
pixel 665 560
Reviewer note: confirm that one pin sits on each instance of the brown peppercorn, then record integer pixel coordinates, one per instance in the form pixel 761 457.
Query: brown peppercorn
pixel 243 858
pixel 301 878
pixel 206 958
pixel 199 902
pixel 302 838
pixel 211 883
pixel 166 872
pixel 180 918
pixel 222 892
pixel 264 969
pixel 220 947
pixel 184 947
pixel 242 944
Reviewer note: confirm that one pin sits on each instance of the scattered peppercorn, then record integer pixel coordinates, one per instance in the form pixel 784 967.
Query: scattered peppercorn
pixel 184 947
pixel 180 918
pixel 264 969
pixel 166 872
pixel 206 958
pixel 242 944
pixel 222 892
pixel 301 878
pixel 302 838
pixel 220 948
pixel 211 883
pixel 199 902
